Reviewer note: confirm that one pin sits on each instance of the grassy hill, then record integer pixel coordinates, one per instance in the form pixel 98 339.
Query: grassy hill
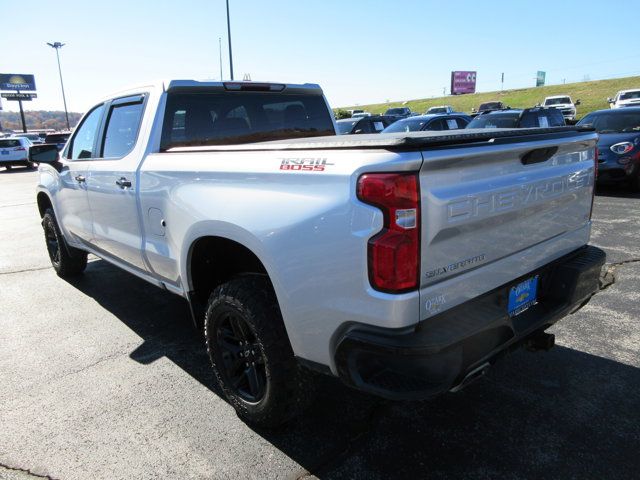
pixel 593 96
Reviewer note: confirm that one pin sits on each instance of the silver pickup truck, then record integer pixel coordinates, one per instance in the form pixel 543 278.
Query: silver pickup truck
pixel 404 264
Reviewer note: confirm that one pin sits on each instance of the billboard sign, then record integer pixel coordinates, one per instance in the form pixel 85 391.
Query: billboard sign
pixel 19 96
pixel 463 82
pixel 540 77
pixel 17 81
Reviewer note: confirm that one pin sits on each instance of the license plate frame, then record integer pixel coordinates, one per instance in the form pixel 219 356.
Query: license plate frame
pixel 523 296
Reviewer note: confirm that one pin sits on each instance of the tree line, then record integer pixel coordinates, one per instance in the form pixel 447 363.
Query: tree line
pixel 38 119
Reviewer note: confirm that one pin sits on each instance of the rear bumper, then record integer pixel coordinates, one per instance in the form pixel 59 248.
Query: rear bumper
pixel 14 163
pixel 439 353
pixel 613 174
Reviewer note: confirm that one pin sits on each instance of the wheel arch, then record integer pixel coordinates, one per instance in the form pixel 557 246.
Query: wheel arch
pixel 44 201
pixel 213 260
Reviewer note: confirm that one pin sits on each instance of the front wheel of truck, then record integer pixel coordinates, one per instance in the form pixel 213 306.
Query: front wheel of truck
pixel 66 261
pixel 250 352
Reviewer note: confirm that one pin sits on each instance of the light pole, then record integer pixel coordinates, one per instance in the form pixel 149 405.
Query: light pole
pixel 229 33
pixel 220 49
pixel 57 46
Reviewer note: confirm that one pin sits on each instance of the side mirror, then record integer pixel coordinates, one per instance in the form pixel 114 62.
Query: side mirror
pixel 577 102
pixel 44 153
pixel 610 100
pixel 473 110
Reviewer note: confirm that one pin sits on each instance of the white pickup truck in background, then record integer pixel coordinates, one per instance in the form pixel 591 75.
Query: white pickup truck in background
pixel 565 105
pixel 625 98
pixel 404 264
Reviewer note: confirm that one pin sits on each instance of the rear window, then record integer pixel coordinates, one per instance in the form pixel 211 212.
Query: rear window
pixel 345 127
pixel 56 138
pixel 490 106
pixel 543 119
pixel 406 125
pixel 497 120
pixel 194 119
pixel 9 143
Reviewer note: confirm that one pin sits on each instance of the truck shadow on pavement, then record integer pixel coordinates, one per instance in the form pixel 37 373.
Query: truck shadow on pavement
pixel 561 414
pixel 616 191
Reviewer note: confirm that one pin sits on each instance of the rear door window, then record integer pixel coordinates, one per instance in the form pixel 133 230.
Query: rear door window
pixel 223 118
pixel 123 124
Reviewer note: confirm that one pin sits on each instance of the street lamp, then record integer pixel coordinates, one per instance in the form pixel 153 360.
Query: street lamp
pixel 229 33
pixel 58 46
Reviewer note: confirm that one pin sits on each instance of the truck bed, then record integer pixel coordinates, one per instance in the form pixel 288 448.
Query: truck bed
pixel 397 141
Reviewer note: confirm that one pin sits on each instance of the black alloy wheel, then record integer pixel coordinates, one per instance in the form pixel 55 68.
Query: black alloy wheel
pixel 241 356
pixel 51 239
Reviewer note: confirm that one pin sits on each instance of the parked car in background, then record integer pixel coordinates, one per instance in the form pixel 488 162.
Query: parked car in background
pixel 361 114
pixel 369 124
pixel 433 122
pixel 518 118
pixel 398 112
pixel 625 98
pixel 58 138
pixel 14 151
pixel 618 145
pixel 440 109
pixel 564 104
pixel 33 137
pixel 488 107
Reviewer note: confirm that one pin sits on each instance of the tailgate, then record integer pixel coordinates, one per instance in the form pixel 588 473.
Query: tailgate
pixel 503 207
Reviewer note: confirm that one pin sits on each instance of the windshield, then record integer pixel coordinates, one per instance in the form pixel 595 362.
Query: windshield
pixel 407 125
pixel 630 95
pixel 557 101
pixel 502 120
pixel 437 110
pixel 396 111
pixel 345 127
pixel 489 106
pixel 613 122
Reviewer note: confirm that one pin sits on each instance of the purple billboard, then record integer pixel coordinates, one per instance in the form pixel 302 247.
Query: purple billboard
pixel 463 82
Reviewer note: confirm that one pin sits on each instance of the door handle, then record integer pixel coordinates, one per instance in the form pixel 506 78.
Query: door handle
pixel 80 178
pixel 123 182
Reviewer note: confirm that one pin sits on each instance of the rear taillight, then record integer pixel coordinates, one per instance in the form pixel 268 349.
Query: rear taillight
pixel 394 253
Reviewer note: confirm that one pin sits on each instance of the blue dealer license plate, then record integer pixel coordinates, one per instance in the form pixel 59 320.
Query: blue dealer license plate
pixel 523 296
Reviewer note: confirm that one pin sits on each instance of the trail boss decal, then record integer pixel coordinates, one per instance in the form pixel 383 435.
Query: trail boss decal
pixel 304 164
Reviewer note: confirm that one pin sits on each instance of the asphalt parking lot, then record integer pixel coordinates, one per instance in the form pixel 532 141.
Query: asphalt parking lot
pixel 103 377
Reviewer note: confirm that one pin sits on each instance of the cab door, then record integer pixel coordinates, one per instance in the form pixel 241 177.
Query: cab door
pixel 72 203
pixel 113 183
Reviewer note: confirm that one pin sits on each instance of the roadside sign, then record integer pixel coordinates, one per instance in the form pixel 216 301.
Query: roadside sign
pixel 25 97
pixel 540 77
pixel 463 82
pixel 17 81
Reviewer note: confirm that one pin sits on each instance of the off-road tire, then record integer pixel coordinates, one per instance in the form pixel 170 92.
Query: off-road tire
pixel 66 261
pixel 286 384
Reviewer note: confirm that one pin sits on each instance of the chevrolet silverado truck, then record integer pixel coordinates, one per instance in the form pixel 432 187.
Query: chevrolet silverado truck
pixel 405 264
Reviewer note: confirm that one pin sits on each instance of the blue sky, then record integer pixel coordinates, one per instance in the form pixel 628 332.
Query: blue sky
pixel 359 51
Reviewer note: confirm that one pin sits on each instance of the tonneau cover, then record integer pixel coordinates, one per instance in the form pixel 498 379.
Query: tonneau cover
pixel 390 141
